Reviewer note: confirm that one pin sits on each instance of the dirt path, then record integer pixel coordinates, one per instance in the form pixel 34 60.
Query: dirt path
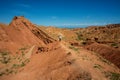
pixel 28 55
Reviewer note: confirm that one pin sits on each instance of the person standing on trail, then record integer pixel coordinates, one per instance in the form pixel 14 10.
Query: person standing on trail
pixel 60 37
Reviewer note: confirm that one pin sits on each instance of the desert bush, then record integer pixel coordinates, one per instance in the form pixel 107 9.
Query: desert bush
pixel 114 45
pixel 5 57
pixel 2 73
pixel 22 64
pixel 97 66
pixel 69 53
pixel 73 48
pixel 84 42
pixel 79 37
pixel 112 75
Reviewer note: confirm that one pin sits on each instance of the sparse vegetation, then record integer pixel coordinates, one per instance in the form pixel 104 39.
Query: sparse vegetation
pixel 112 75
pixel 97 66
pixel 84 42
pixel 85 57
pixel 22 64
pixel 104 60
pixel 12 63
pixel 15 66
pixel 5 57
pixel 114 45
pixel 79 36
pixel 73 48
pixel 2 73
pixel 69 53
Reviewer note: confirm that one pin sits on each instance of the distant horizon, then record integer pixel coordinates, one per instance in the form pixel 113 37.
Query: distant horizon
pixel 82 25
pixel 62 12
pixel 76 26
pixel 68 25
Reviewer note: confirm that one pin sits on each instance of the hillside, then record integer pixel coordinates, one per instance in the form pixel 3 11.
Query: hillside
pixel 104 40
pixel 102 34
pixel 67 34
pixel 29 52
pixel 21 33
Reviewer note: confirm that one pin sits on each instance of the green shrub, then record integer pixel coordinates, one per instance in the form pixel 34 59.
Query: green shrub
pixel 97 66
pixel 79 36
pixel 112 75
pixel 5 57
pixel 83 42
pixel 2 73
pixel 22 64
pixel 72 47
pixel 114 45
pixel 15 66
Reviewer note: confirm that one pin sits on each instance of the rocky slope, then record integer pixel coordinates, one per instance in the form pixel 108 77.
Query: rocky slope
pixel 106 51
pixel 20 33
pixel 101 34
pixel 67 34
pixel 104 40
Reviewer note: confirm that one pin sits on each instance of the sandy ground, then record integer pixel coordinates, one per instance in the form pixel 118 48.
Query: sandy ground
pixel 62 63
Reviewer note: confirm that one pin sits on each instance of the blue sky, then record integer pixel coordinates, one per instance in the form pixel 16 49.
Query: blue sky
pixel 74 13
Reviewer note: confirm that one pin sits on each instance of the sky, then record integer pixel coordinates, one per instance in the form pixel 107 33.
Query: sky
pixel 62 13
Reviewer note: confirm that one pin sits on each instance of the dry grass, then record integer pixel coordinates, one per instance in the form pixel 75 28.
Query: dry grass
pixel 11 64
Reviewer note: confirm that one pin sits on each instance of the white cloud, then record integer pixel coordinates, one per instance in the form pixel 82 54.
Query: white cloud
pixel 23 5
pixel 84 24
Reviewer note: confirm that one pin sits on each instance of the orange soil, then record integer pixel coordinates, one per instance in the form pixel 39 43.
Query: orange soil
pixel 59 64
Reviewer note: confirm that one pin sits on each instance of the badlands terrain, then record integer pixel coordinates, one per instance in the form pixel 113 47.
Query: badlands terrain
pixel 31 52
